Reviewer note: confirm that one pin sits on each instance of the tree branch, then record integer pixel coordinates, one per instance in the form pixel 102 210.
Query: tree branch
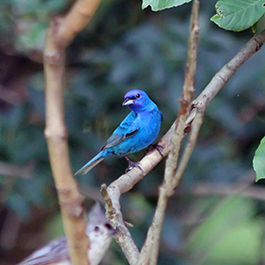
pixel 167 188
pixel 12 170
pixel 59 35
pixel 81 13
pixel 222 77
pixel 125 182
pixel 123 236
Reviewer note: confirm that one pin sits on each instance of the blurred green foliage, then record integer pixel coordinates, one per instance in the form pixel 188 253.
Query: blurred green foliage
pixel 122 49
pixel 229 234
pixel 23 23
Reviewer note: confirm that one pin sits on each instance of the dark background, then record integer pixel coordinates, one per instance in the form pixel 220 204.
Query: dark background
pixel 217 214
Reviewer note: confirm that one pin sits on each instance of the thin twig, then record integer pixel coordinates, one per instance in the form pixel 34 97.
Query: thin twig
pixel 246 189
pixel 12 170
pixel 197 123
pixel 187 94
pixel 222 77
pixel 148 252
pixel 59 35
pixel 167 188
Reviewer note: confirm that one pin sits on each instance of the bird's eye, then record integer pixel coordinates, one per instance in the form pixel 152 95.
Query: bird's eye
pixel 96 228
pixel 108 226
pixel 137 95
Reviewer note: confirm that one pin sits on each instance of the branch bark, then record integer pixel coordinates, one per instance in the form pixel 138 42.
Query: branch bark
pixel 59 35
pixel 169 183
pixel 126 182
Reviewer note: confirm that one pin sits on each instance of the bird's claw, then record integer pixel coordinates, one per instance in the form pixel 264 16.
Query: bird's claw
pixel 158 147
pixel 132 165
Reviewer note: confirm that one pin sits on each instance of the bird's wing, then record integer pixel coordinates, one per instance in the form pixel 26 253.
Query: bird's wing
pixel 126 129
pixel 53 252
pixel 113 140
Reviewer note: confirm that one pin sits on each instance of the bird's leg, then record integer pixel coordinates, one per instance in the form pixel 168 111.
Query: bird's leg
pixel 131 164
pixel 158 147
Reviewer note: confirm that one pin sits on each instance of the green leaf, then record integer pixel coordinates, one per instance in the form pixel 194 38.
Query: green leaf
pixel 259 161
pixel 157 5
pixel 238 15
pixel 259 26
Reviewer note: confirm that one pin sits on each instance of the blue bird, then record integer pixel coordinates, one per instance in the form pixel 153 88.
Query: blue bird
pixel 136 132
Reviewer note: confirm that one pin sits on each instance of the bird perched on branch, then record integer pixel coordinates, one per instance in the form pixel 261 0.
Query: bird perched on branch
pixel 56 252
pixel 136 132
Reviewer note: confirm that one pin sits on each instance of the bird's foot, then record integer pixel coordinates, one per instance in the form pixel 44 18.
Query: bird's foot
pixel 158 147
pixel 131 164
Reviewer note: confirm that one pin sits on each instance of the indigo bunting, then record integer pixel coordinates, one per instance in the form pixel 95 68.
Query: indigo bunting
pixel 99 232
pixel 136 132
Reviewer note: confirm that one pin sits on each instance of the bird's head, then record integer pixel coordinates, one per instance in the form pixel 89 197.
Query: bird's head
pixel 136 100
pixel 100 233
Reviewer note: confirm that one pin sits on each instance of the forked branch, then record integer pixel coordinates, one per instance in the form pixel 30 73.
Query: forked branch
pixel 193 120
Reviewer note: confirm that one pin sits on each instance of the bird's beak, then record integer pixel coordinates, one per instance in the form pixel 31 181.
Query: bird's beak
pixel 127 102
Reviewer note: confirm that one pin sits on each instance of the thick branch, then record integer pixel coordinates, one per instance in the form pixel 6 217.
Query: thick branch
pixel 58 36
pixel 55 132
pixel 81 13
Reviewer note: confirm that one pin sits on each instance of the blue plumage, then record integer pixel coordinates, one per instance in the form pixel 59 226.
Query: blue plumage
pixel 136 132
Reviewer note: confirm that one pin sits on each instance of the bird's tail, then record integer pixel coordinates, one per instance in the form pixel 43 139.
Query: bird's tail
pixel 92 163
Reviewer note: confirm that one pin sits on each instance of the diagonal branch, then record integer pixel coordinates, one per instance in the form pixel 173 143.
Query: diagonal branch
pixel 126 182
pixel 222 77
